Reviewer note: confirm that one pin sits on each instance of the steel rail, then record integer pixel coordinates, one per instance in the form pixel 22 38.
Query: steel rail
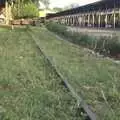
pixel 89 114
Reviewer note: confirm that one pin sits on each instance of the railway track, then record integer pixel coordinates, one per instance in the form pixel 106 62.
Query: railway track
pixel 82 107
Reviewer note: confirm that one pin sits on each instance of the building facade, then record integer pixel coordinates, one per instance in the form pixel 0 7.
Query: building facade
pixel 105 13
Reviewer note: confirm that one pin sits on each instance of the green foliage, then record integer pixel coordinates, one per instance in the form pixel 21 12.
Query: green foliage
pixel 104 45
pixel 59 29
pixel 25 9
pixel 30 11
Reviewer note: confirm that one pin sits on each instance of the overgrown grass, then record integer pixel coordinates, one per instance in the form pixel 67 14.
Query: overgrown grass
pixel 108 46
pixel 95 79
pixel 4 28
pixel 29 88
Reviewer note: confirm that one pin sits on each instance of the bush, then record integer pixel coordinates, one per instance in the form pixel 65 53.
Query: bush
pixel 113 45
pixel 28 10
pixel 104 45
pixel 59 29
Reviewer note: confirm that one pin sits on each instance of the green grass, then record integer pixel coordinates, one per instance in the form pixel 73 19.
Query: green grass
pixel 107 46
pixel 95 79
pixel 29 88
pixel 4 29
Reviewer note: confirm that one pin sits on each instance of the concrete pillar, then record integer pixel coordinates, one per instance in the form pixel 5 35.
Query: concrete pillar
pixel 80 20
pixel 67 20
pixel 119 14
pixel 76 21
pixel 114 19
pixel 119 19
pixel 93 20
pixel 73 20
pixel 83 20
pixel 99 20
pixel 106 20
pixel 88 20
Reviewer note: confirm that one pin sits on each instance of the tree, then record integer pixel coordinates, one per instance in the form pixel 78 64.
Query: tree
pixel 24 9
pixel 36 2
pixel 30 11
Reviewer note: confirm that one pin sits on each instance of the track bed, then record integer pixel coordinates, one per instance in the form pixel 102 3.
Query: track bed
pixel 29 88
pixel 95 79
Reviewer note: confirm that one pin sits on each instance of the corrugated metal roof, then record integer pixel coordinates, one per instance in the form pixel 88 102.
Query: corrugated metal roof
pixel 96 6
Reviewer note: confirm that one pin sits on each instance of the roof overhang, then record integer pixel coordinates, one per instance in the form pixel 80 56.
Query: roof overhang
pixel 96 6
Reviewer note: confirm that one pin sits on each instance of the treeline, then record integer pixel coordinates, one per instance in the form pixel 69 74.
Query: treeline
pixel 24 9
pixel 27 8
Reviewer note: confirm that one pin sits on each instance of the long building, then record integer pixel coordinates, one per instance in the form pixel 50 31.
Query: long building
pixel 104 13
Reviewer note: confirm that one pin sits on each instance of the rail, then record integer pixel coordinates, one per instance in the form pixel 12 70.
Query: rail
pixel 81 104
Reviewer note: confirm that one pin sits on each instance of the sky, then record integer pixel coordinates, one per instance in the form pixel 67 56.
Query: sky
pixel 63 3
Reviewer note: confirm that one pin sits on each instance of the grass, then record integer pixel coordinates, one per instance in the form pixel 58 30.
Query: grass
pixel 4 29
pixel 29 88
pixel 107 46
pixel 95 79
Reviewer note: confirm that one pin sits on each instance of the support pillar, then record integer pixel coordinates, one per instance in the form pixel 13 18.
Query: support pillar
pixel 99 20
pixel 106 20
pixel 119 19
pixel 114 19
pixel 73 20
pixel 93 20
pixel 88 20
pixel 70 21
pixel 83 20
pixel 80 20
pixel 77 20
pixel 67 20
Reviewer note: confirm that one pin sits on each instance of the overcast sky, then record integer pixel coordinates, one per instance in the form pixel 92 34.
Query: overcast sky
pixel 63 3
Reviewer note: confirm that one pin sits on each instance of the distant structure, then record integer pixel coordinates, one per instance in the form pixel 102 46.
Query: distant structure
pixel 5 11
pixel 105 13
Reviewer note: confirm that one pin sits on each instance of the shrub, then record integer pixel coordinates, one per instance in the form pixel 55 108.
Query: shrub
pixel 59 29
pixel 28 10
pixel 104 45
pixel 113 46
